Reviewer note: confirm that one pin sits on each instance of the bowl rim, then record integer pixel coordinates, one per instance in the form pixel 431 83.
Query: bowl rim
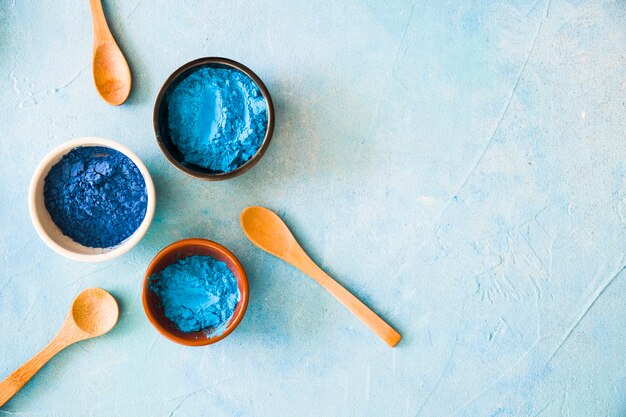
pixel 240 275
pixel 41 172
pixel 268 133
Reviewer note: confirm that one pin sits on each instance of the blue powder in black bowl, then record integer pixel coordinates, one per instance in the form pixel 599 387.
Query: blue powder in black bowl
pixel 96 196
pixel 216 117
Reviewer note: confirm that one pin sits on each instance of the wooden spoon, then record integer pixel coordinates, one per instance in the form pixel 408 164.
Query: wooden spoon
pixel 266 230
pixel 110 69
pixel 94 312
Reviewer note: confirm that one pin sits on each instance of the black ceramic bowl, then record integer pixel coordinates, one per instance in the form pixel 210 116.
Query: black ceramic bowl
pixel 171 151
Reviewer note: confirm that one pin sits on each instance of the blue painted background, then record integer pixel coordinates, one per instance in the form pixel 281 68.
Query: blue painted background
pixel 461 168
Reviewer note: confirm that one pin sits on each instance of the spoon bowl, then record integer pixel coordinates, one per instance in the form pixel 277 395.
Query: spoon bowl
pixel 266 230
pixel 111 73
pixel 95 311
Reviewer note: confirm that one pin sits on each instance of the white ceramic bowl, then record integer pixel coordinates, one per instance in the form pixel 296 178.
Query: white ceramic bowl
pixel 50 232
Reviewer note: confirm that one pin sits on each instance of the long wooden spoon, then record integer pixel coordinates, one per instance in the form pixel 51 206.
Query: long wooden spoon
pixel 94 312
pixel 110 69
pixel 266 230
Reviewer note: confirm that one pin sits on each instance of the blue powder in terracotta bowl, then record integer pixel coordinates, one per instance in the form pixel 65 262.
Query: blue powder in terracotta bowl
pixel 197 293
pixel 213 118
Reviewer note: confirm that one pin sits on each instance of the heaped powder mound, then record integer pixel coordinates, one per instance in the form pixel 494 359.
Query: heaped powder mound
pixel 216 117
pixel 96 196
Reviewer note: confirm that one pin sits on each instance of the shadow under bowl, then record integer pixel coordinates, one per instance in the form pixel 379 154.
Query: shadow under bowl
pixel 183 249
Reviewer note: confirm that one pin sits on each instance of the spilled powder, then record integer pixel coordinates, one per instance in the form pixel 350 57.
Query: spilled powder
pixel 216 118
pixel 197 293
pixel 96 196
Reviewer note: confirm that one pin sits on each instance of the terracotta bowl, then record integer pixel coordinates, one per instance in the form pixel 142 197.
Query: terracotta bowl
pixel 160 113
pixel 179 250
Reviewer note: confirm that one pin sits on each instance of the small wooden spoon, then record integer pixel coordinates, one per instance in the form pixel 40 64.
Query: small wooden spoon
pixel 94 312
pixel 266 230
pixel 110 69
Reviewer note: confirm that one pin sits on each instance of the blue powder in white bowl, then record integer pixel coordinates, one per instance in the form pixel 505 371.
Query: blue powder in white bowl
pixel 216 117
pixel 96 196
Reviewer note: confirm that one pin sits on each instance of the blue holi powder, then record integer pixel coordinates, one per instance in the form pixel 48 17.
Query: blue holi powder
pixel 96 196
pixel 197 293
pixel 216 117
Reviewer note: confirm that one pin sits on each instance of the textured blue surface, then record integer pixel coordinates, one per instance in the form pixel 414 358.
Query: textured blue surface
pixel 197 293
pixel 96 196
pixel 460 168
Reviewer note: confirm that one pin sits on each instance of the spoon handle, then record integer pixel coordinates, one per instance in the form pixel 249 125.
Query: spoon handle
pixel 14 382
pixel 383 330
pixel 100 27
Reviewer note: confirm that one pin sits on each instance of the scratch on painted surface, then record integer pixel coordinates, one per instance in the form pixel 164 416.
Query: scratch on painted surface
pixel 181 402
pixel 545 407
pixel 402 39
pixel 564 402
pixel 439 380
pixel 15 81
pixel 368 382
pixel 27 314
pixel 11 277
pixel 19 413
pixel 396 58
pixel 33 97
pixel 597 294
pixel 82 277
pixel 620 210
pixel 446 366
pixel 132 11
pixel 502 114
pixel 498 378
